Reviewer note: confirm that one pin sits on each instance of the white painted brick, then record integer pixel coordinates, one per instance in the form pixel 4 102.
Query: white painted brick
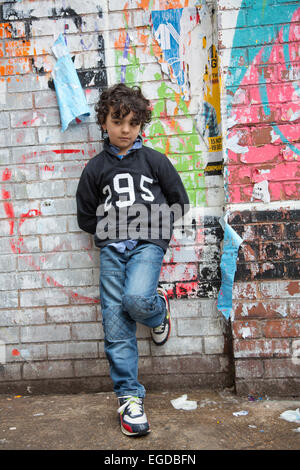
pixel 21 84
pixel 214 345
pixel 75 313
pixel 74 133
pixel 22 137
pixel 43 261
pixel 42 297
pixel 59 206
pixel 45 225
pixel 74 350
pixel 5 227
pixel 8 281
pixel 35 118
pixel 39 190
pixel 22 317
pixel 25 172
pixel 45 333
pixel 19 100
pixel 8 262
pixel 184 308
pixel 29 280
pixel 93 6
pixel 86 331
pixel 199 326
pixel 84 260
pixel 28 352
pixel 45 99
pixel 85 294
pixel 10 334
pixel 178 347
pixel 143 348
pixel 5 156
pixel 72 277
pixel 80 241
pixel 122 4
pixel 4 120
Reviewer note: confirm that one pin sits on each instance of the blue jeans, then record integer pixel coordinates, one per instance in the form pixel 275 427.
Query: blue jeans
pixel 128 283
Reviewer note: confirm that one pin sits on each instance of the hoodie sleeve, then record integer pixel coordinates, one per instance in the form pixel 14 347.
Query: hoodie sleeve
pixel 87 199
pixel 172 186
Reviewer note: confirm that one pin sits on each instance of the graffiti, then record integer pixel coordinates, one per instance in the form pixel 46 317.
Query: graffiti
pixel 270 82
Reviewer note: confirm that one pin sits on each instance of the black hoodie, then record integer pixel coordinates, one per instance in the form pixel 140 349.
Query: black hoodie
pixel 118 199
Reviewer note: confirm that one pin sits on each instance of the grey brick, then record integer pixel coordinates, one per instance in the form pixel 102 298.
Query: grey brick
pixel 22 317
pixel 45 333
pixel 85 331
pixel 47 370
pixel 75 313
pixel 74 350
pixel 43 297
pixel 91 367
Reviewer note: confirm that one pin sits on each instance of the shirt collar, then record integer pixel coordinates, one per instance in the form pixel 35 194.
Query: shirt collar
pixel 115 150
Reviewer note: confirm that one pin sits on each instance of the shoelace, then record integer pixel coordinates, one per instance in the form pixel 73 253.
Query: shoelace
pixel 134 405
pixel 159 329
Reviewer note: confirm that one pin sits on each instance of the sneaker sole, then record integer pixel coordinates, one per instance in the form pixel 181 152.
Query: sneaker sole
pixel 133 434
pixel 169 332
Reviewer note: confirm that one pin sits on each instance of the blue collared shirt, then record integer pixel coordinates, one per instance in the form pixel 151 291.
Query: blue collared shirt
pixel 129 244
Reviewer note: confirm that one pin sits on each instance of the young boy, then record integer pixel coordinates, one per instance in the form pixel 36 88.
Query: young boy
pixel 124 180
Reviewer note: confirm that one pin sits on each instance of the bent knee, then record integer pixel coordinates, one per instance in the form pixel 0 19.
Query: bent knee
pixel 139 307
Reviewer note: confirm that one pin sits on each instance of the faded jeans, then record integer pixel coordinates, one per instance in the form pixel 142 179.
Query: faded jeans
pixel 128 283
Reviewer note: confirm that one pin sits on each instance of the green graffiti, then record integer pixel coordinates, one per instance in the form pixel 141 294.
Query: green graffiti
pixel 180 147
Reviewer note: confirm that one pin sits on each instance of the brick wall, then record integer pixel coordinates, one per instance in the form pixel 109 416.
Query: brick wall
pixel 51 336
pixel 258 43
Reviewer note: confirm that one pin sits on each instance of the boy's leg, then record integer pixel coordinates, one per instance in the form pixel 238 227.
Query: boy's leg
pixel 140 298
pixel 119 329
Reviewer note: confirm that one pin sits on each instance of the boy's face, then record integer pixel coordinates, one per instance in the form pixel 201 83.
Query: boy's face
pixel 122 132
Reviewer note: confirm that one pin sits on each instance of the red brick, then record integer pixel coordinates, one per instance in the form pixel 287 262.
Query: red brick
pixel 260 310
pixel 280 289
pixel 249 368
pixel 244 290
pixel 261 348
pixel 281 368
pixel 246 329
pixel 295 309
pixel 281 328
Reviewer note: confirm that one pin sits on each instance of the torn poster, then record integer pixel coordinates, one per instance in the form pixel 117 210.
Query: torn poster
pixel 171 29
pixel 261 191
pixel 70 95
pixel 231 244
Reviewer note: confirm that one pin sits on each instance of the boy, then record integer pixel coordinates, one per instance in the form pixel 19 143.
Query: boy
pixel 124 180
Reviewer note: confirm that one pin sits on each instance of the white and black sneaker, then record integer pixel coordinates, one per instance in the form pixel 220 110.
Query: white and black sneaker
pixel 160 334
pixel 133 419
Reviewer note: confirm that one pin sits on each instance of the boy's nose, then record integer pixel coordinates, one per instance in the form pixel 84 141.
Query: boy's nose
pixel 125 128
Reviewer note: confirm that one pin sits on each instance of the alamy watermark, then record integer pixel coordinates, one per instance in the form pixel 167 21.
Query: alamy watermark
pixel 139 221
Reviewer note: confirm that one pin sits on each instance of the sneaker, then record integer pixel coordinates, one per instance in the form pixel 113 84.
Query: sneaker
pixel 160 334
pixel 133 419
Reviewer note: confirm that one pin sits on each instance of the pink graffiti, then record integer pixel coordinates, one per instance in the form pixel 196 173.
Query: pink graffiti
pixel 265 148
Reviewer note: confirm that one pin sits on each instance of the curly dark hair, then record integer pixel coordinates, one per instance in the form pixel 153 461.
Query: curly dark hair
pixel 123 99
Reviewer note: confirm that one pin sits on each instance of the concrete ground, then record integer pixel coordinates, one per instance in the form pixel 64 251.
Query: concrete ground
pixel 90 422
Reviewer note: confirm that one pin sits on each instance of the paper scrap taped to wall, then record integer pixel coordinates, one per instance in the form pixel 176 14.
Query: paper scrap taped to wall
pixel 232 242
pixel 70 95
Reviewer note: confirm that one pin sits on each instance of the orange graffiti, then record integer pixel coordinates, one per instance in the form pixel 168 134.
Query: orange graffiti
pixel 18 48
pixel 5 30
